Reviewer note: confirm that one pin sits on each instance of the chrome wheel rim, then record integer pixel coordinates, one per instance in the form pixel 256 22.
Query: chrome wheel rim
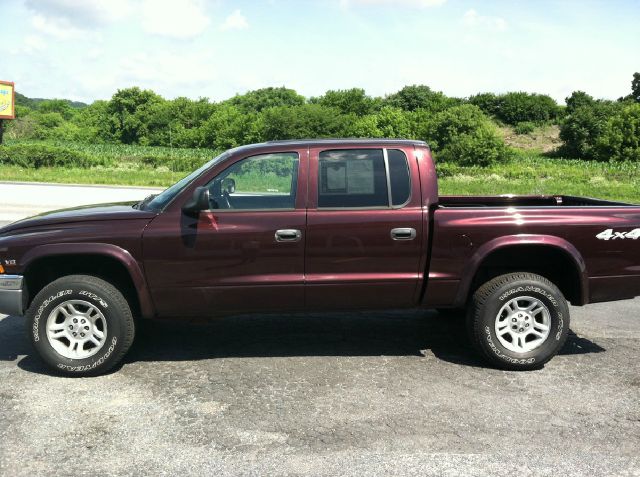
pixel 523 324
pixel 76 329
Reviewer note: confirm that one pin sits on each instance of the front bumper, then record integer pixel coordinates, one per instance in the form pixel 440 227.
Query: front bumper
pixel 11 295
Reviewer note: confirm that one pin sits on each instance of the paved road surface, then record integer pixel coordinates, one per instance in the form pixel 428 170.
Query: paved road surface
pixel 19 200
pixel 388 393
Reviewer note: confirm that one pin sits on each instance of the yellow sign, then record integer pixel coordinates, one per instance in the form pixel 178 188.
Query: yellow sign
pixel 7 100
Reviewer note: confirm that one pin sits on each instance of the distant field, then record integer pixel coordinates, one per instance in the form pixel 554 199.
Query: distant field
pixel 529 172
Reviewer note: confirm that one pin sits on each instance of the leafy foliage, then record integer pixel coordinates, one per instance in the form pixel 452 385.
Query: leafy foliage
pixel 525 127
pixel 412 98
pixel 464 135
pixel 350 101
pixel 39 155
pixel 459 131
pixel 620 138
pixel 261 99
pixel 582 128
pixel 635 87
pixel 517 107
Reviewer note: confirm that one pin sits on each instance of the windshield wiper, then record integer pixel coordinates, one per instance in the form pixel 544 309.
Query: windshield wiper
pixel 143 203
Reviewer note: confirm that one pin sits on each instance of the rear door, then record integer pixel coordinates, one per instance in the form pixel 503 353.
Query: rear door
pixel 365 233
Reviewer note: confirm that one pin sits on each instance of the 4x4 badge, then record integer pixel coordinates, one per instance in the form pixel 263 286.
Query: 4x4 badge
pixel 609 234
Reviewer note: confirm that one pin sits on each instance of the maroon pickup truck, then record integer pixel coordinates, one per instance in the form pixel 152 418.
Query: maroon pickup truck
pixel 316 225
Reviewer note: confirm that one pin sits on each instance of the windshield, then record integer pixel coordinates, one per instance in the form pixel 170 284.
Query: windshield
pixel 160 201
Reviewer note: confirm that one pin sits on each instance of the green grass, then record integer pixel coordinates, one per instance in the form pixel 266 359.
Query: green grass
pixel 527 173
pixel 531 173
pixel 141 177
pixel 126 153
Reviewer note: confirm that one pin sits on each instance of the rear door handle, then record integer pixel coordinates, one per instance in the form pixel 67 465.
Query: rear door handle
pixel 288 235
pixel 403 233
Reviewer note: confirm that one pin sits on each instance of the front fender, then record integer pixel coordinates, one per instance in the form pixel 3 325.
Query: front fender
pixel 503 242
pixel 121 255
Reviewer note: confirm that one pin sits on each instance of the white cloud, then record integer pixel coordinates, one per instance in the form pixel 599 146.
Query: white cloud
pixel 471 19
pixel 235 21
pixel 81 13
pixel 405 3
pixel 57 27
pixel 185 19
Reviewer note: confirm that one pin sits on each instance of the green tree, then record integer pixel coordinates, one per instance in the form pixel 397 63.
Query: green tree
pixel 411 98
pixel 635 87
pixel 582 128
pixel 261 99
pixel 578 99
pixel 60 106
pixel 227 127
pixel 489 103
pixel 517 107
pixel 349 101
pixel 299 122
pixel 620 138
pixel 129 113
pixel 465 136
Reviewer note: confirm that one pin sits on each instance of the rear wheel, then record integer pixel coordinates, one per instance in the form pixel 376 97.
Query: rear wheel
pixel 80 325
pixel 518 321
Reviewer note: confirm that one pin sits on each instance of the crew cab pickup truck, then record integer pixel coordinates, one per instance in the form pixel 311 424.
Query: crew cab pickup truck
pixel 309 226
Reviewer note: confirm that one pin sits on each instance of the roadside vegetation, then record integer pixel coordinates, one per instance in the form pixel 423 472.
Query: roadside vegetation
pixel 486 144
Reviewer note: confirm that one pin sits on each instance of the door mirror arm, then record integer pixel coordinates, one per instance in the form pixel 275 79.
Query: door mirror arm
pixel 199 201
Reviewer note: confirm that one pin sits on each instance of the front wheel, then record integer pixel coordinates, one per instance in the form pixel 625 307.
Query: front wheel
pixel 518 321
pixel 80 325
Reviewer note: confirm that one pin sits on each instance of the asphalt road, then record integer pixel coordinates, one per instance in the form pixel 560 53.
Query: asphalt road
pixel 387 393
pixel 19 200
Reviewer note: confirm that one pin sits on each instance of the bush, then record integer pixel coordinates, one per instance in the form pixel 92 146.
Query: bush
pixel 299 122
pixel 464 135
pixel 350 101
pixel 583 127
pixel 620 137
pixel 514 108
pixel 489 103
pixel 525 127
pixel 412 98
pixel 388 122
pixel 35 156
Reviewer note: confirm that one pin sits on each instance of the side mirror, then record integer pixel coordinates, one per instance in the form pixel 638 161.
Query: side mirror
pixel 229 185
pixel 199 201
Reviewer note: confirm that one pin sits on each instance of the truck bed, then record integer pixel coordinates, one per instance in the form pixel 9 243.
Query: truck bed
pixel 526 201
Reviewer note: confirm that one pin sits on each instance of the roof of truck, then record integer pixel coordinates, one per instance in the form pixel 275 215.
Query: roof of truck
pixel 332 142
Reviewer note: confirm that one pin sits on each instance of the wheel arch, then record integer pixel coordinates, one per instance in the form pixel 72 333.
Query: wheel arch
pixel 549 256
pixel 45 263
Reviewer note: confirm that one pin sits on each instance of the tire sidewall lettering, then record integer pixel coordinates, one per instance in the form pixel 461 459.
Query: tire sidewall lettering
pixel 557 312
pixel 529 288
pixel 39 327
pixel 503 356
pixel 95 364
pixel 41 308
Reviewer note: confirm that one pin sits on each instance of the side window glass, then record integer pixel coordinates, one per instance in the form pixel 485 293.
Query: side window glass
pixel 267 181
pixel 399 177
pixel 352 178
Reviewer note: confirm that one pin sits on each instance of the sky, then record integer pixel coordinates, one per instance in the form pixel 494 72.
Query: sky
pixel 86 50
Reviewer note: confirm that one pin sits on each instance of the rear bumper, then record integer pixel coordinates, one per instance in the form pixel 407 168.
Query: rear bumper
pixel 11 295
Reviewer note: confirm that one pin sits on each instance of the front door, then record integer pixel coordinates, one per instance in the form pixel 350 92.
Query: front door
pixel 365 234
pixel 245 253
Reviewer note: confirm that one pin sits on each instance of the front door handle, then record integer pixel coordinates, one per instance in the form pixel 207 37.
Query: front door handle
pixel 403 234
pixel 288 235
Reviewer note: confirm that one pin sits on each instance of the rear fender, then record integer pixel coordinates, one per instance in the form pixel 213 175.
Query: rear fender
pixel 500 243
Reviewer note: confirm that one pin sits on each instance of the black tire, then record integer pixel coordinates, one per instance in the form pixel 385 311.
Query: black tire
pixel 487 303
pixel 118 334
